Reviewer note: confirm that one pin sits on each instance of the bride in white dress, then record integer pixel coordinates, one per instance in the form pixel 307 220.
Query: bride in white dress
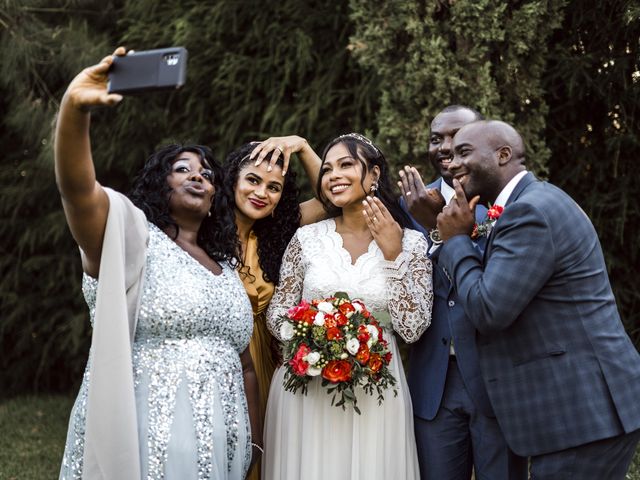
pixel 365 252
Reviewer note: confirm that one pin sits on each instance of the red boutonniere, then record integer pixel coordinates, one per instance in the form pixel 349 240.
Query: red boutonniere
pixel 484 229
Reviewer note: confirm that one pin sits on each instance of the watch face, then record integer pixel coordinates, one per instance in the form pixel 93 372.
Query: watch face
pixel 434 235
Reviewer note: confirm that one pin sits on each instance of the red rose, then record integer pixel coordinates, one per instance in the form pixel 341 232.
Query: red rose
pixel 375 363
pixel 337 371
pixel 494 212
pixel 363 354
pixel 309 316
pixel 341 320
pixel 346 308
pixel 295 313
pixel 299 366
pixel 334 333
pixel 387 358
pixel 363 334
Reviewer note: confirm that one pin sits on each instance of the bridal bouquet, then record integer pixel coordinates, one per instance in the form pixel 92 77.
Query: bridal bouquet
pixel 339 340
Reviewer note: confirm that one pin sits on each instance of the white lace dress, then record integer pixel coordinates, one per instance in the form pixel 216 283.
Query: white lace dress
pixel 307 438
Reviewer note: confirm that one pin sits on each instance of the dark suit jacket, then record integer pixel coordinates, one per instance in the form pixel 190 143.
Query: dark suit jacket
pixel 429 356
pixel 559 368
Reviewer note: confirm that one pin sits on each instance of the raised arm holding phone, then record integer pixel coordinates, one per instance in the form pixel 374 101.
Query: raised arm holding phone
pixel 169 390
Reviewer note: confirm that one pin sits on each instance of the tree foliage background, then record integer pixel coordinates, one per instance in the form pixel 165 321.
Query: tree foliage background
pixel 564 72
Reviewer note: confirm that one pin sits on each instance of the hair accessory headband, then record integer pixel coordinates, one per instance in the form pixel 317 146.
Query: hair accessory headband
pixel 360 138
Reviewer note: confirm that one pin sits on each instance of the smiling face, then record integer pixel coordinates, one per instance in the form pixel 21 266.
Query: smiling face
pixel 257 191
pixel 443 128
pixel 341 177
pixel 191 183
pixel 476 163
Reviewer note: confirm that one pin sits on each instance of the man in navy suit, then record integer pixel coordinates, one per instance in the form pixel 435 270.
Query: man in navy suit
pixel 562 375
pixel 456 429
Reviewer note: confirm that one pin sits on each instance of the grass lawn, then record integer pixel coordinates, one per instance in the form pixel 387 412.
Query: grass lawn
pixel 34 429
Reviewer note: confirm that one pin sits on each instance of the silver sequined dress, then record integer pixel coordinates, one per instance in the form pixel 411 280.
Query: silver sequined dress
pixel 192 413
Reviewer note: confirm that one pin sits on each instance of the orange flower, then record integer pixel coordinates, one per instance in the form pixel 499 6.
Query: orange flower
pixel 329 321
pixel 334 333
pixel 363 354
pixel 309 316
pixel 375 363
pixel 337 371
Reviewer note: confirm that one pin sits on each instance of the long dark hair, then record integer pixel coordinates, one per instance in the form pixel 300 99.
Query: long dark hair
pixel 150 193
pixel 362 149
pixel 274 231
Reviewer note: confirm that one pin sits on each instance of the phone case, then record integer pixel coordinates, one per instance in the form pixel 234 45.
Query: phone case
pixel 148 70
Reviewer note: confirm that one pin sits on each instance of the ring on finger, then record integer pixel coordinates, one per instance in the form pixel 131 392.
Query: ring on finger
pixel 375 219
pixel 408 193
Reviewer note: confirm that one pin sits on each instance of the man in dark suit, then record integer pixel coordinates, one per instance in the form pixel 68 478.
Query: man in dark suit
pixel 562 375
pixel 456 429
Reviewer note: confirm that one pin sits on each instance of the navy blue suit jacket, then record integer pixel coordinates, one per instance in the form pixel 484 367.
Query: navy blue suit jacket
pixel 429 356
pixel 558 365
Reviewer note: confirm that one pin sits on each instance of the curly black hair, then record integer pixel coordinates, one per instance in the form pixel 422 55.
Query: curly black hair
pixel 150 192
pixel 273 232
pixel 363 150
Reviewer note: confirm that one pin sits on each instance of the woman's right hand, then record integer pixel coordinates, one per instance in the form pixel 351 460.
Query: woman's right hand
pixel 284 146
pixel 89 87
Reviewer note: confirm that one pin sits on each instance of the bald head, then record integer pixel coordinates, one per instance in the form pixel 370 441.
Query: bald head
pixel 498 134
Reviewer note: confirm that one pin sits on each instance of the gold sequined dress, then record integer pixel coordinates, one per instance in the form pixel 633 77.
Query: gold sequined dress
pixel 263 346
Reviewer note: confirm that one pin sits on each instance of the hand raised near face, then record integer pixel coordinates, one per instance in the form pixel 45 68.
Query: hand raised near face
pixel 386 231
pixel 284 146
pixel 424 203
pixel 458 217
pixel 89 87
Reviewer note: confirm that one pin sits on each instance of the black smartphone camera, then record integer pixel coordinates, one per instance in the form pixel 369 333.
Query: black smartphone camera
pixel 148 71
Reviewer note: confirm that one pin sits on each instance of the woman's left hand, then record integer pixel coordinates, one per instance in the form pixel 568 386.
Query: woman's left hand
pixel 284 146
pixel 386 231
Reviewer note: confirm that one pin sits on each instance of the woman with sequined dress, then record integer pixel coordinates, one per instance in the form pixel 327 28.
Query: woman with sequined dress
pixel 264 198
pixel 169 391
pixel 366 250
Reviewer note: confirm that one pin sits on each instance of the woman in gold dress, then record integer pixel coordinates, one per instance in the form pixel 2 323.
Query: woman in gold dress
pixel 264 196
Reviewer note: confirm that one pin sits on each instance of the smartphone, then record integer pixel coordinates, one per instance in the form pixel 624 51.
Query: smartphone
pixel 148 71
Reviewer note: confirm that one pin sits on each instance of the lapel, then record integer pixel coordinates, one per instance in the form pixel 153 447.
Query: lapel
pixel 528 179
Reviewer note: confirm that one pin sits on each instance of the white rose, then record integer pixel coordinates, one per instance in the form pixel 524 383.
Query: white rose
pixel 357 306
pixel 326 307
pixel 314 371
pixel 319 319
pixel 353 345
pixel 311 358
pixel 286 331
pixel 373 331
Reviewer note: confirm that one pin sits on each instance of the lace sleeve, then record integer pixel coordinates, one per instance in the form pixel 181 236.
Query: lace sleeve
pixel 289 290
pixel 410 288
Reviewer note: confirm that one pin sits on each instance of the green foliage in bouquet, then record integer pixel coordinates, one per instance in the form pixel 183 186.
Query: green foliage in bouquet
pixel 339 340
